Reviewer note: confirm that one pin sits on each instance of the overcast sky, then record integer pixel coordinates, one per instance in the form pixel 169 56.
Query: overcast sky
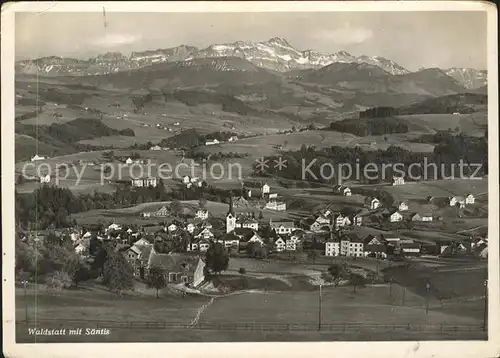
pixel 412 39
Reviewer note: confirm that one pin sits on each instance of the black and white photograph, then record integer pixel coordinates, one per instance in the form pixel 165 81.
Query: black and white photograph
pixel 217 175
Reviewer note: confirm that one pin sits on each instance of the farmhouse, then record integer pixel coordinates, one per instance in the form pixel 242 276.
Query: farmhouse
pixel 351 245
pixel 233 138
pixel 144 182
pixel 179 268
pixel 469 199
pixel 392 215
pixel 204 233
pixel 372 203
pixel 129 161
pixel 229 240
pixel 282 227
pixel 407 248
pixel 202 214
pixel 398 181
pixel 421 217
pixel 374 247
pixel 155 147
pixel 186 179
pixel 247 236
pixel 276 205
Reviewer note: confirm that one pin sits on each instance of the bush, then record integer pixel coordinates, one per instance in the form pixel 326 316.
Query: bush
pixel 242 270
pixel 58 280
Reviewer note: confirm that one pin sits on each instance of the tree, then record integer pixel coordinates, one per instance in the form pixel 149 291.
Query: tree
pixel 313 255
pixel 357 281
pixel 156 279
pixel 20 179
pixel 118 274
pixel 202 203
pixel 217 258
pixel 242 271
pixel 81 274
pixel 261 216
pixel 337 271
pixel 176 207
pixel 58 280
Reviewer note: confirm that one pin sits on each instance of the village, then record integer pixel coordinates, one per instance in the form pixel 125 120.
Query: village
pixel 178 235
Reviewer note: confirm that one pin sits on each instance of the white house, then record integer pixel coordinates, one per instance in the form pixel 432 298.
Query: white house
pixel 395 217
pixel 248 223
pixel 342 220
pixel 205 234
pixel 45 179
pixel 282 227
pixel 202 214
pixel 233 139
pixel 469 199
pixel 172 227
pixel 37 157
pixel 129 161
pixel 81 249
pixel 280 244
pixel 398 181
pixel 357 220
pixel 292 243
pixel 351 245
pixel 373 203
pixel 332 248
pixel 265 189
pixel 186 179
pixel 155 147
pixel 203 245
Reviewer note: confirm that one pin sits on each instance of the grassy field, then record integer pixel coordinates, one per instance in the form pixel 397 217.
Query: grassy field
pixel 94 303
pixel 473 124
pixel 371 313
pixel 368 305
pixel 125 215
pixel 439 188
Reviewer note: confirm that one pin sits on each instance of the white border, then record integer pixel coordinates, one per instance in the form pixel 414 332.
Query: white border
pixel 455 349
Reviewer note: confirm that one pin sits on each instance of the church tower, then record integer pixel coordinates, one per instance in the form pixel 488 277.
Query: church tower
pixel 230 217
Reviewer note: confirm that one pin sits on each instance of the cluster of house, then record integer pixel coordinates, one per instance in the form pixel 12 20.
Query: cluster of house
pixel 190 181
pixel 272 200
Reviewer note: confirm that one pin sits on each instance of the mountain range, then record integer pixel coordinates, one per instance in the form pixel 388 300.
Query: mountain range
pixel 275 54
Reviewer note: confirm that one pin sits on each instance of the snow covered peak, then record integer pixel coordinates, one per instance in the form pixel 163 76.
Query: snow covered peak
pixel 468 77
pixel 279 41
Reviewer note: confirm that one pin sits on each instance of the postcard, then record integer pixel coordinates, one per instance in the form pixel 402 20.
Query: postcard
pixel 250 179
